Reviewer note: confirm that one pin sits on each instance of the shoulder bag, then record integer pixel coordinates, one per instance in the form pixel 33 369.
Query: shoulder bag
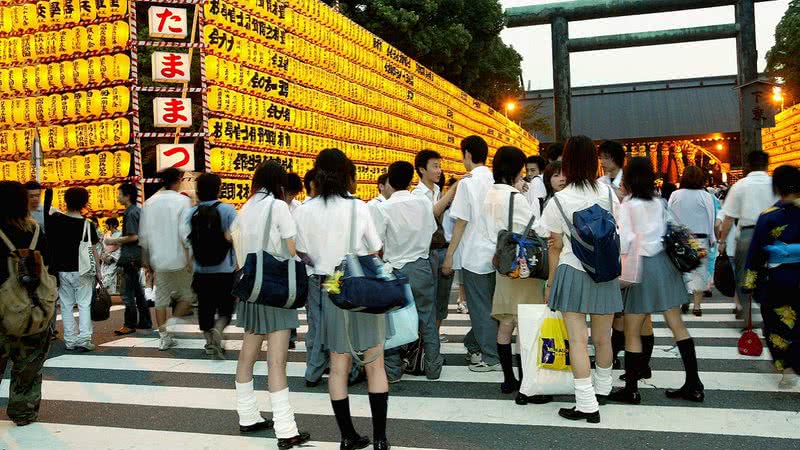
pixel 520 255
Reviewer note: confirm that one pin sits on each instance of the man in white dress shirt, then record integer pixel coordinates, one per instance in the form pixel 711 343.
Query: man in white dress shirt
pixel 382 179
pixel 163 236
pixel 405 224
pixel 535 191
pixel 745 201
pixel 477 251
pixel 612 159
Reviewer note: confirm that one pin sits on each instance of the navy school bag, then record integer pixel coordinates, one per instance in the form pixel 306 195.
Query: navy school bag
pixel 594 239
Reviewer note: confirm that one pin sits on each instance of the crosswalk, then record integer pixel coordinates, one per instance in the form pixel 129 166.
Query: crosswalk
pixel 130 395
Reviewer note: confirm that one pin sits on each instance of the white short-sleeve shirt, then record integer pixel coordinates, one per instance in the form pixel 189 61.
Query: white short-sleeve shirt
pixel 323 231
pixel 476 250
pixel 536 191
pixel 694 209
pixel 495 211
pixel 405 224
pixel 251 225
pixel 748 197
pixel 575 198
pixel 645 220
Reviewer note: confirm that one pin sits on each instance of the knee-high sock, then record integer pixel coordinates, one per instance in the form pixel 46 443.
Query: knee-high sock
pixel 585 399
pixel 247 404
pixel 689 357
pixel 648 342
pixel 341 408
pixel 519 364
pixel 283 415
pixel 379 404
pixel 633 366
pixel 602 380
pixel 504 352
pixel 617 342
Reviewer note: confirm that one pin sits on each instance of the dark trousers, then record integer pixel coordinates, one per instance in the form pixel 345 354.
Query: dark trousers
pixel 214 298
pixel 27 355
pixel 137 314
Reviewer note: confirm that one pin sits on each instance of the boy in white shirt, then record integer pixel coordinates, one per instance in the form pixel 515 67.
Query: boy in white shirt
pixel 477 272
pixel 612 159
pixel 405 224
pixel 535 191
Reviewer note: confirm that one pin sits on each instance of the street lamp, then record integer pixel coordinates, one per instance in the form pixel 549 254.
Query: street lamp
pixel 510 107
pixel 777 95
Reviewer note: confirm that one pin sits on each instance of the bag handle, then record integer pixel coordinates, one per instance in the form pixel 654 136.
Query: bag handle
pixel 256 292
pixel 11 247
pixel 511 212
pixel 353 223
pixel 85 236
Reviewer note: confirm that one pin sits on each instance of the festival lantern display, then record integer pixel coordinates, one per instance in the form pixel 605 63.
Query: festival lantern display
pixel 782 142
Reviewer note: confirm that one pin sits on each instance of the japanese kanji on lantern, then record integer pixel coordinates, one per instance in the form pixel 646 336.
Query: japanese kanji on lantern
pixel 65 81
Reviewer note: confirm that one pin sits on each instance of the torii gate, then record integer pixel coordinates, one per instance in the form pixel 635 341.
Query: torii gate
pixel 558 16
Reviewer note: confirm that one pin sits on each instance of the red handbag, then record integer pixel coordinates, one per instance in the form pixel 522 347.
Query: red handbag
pixel 749 343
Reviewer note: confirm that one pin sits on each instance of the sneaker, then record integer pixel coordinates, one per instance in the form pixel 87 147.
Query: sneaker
pixel 443 338
pixel 483 367
pixel 473 358
pixel 210 349
pixel 88 346
pixel 167 342
pixel 216 339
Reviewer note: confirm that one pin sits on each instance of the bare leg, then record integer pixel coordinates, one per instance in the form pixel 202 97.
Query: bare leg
pixel 634 325
pixel 579 340
pixel 251 348
pixel 277 354
pixel 601 337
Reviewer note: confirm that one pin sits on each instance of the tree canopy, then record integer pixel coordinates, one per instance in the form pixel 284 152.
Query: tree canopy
pixel 457 39
pixel 783 60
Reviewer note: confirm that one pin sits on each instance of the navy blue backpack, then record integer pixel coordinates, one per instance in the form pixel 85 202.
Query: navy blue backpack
pixel 594 239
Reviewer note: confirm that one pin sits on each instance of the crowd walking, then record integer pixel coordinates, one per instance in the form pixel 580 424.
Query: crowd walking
pixel 588 247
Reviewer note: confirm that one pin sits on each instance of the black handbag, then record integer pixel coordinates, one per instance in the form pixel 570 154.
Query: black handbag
pixel 101 304
pixel 360 283
pixel 724 279
pixel 682 247
pixel 267 281
pixel 520 255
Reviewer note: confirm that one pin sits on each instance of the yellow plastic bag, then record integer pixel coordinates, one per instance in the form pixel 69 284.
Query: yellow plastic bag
pixel 554 343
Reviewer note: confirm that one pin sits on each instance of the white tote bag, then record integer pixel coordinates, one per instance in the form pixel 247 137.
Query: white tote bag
pixel 537 380
pixel 86 263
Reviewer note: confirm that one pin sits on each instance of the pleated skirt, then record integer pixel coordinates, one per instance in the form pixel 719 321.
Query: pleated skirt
pixel 364 330
pixel 510 293
pixel 574 291
pixel 662 287
pixel 263 319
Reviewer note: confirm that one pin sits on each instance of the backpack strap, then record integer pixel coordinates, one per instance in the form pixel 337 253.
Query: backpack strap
pixel 511 212
pixel 7 241
pixel 35 240
pixel 254 294
pixel 573 233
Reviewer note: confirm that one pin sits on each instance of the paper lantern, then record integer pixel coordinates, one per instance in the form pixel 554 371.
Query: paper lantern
pixel 52 138
pixel 103 131
pixel 120 131
pixel 43 9
pixel 24 170
pixel 108 193
pixel 49 170
pixel 122 64
pixel 120 99
pixel 8 171
pixel 92 166
pixel 42 78
pixel 18 110
pixel 14 48
pixel 96 102
pixel 37 105
pixel 81 71
pixel 29 78
pixel 81 103
pixel 66 70
pixel 6 115
pixel 72 10
pixel 78 38
pixel 40 45
pixel 105 164
pixel 62 169
pixel 75 167
pixel 88 10
pixel 120 34
pixel 69 108
pixel 6 142
pixel 54 77
pixel 30 20
pixel 71 137
pixel 5 86
pixel 94 36
pixel 94 198
pixel 96 73
pixel 122 163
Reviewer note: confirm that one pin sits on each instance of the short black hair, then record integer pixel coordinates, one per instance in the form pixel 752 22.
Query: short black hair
pixel 757 161
pixel 693 178
pixel 508 162
pixel 554 151
pixel 639 178
pixel 333 178
pixel 33 186
pixel 383 179
pixel 76 198
pixel 208 185
pixel 294 185
pixel 131 191
pixel 476 147
pixel 271 177
pixel 786 180
pixel 170 176
pixel 613 149
pixel 538 160
pixel 400 175
pixel 422 158
pixel 308 179
pixel 112 222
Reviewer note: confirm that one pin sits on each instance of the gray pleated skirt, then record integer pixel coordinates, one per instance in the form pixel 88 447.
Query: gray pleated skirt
pixel 263 319
pixel 662 287
pixel 574 291
pixel 365 330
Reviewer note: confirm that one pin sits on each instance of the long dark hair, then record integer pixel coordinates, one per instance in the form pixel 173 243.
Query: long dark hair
pixel 553 168
pixel 639 178
pixel 14 207
pixel 334 174
pixel 270 177
pixel 579 162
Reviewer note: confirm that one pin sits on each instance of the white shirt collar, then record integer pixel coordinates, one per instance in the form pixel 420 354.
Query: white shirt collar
pixel 504 187
pixel 480 169
pixel 399 195
pixel 757 174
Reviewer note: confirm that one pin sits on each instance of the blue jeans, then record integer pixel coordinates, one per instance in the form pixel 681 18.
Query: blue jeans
pixel 137 314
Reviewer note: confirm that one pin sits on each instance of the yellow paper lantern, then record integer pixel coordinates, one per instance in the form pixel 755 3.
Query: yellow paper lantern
pixel 42 78
pixel 29 78
pixel 120 131
pixel 122 163
pixel 104 9
pixel 71 137
pixel 92 165
pixel 18 110
pixel 24 170
pixel 37 104
pixel 66 70
pixel 82 103
pixel 28 50
pixel 16 79
pixel 14 49
pixel 79 38
pixel 81 71
pixel 51 42
pixel 49 174
pixel 94 197
pixel 96 103
pixel 103 131
pixel 122 64
pixel 40 45
pixel 53 73
pixel 76 168
pixel 121 34
pixel 6 143
pixel 88 10
pixel 44 9
pixel 30 21
pixel 106 164
pixel 120 99
pixel 54 107
pixel 6 112
pixel 52 138
pixel 66 41
pixel 69 106
pixel 72 10
pixel 120 8
pixel 5 86
pixel 94 36
pixel 62 169
pixel 96 74
pixel 8 171
pixel 108 193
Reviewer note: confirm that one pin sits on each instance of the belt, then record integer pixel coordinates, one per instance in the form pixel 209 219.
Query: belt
pixel 318 277
pixel 747 227
pixel 701 236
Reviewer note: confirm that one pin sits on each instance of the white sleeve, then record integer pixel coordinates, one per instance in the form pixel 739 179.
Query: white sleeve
pixel 552 221
pixel 461 207
pixel 626 231
pixel 299 238
pixel 379 219
pixel 733 202
pixel 282 217
pixel 370 238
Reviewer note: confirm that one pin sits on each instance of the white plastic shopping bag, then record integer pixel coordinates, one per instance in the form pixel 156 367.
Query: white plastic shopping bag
pixel 537 380
pixel 404 322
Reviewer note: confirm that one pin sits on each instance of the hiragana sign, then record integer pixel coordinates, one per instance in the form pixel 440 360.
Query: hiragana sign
pixel 168 22
pixel 172 112
pixel 179 156
pixel 171 67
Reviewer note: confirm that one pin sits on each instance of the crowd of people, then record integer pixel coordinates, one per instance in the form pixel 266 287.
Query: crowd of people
pixel 436 235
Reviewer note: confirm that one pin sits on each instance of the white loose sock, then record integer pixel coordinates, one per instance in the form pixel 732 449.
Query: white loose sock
pixel 602 380
pixel 247 404
pixel 283 415
pixel 585 399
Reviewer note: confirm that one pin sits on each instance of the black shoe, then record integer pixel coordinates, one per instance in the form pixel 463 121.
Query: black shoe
pixel 685 308
pixel 300 439
pixel 601 399
pixel 646 375
pixel 509 387
pixel 292 345
pixel 574 414
pixel 523 399
pixel 617 364
pixel 708 294
pixel 311 384
pixel 265 425
pixel 354 443
pixel 622 395
pixel 381 445
pixel 23 422
pixel 691 393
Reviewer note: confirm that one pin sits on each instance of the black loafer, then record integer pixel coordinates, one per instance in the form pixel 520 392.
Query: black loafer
pixel 601 399
pixel 354 443
pixel 574 414
pixel 381 445
pixel 300 439
pixel 265 425
pixel 523 399
pixel 691 393
pixel 622 395
pixel 311 384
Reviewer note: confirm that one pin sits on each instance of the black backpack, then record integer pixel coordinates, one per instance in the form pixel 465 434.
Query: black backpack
pixel 207 236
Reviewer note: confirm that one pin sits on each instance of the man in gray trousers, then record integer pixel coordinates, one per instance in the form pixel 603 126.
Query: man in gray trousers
pixel 406 224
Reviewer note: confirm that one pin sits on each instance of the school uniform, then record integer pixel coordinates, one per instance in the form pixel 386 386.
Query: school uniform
pixel 249 227
pixel 573 290
pixel 642 227
pixel 323 230
pixel 694 209
pixel 405 224
pixel 478 274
